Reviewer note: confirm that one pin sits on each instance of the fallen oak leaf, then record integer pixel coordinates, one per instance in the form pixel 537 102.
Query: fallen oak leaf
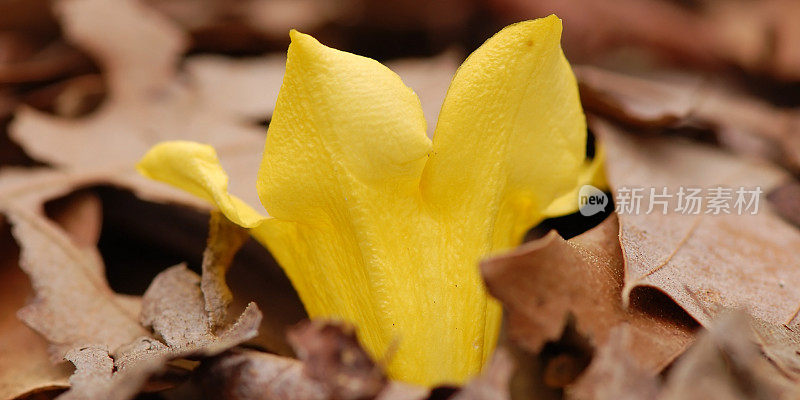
pixel 542 282
pixel 74 305
pixel 759 37
pixel 75 308
pixel 723 363
pixel 742 123
pixel 703 261
pixel 244 88
pixel 55 60
pixel 780 345
pixel 147 103
pixel 174 306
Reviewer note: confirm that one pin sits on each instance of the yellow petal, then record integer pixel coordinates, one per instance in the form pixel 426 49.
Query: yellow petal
pixel 339 118
pixel 195 168
pixel 511 136
pixel 591 174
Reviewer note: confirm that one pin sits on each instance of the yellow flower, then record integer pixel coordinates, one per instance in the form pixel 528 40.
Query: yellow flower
pixel 377 225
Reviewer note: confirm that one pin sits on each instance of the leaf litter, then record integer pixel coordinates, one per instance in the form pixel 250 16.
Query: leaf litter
pixel 634 334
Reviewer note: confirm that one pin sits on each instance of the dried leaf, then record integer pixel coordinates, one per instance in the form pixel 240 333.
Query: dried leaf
pixel 332 355
pixel 333 367
pixel 780 344
pixel 724 363
pixel 742 123
pixel 614 374
pixel 224 240
pixel 759 37
pixel 703 261
pixel 493 382
pixel 148 103
pixel 251 375
pixel 97 377
pixel 75 310
pixel 74 305
pixel 244 88
pixel 174 307
pixel 25 365
pixel 544 281
pixel 786 201
pixel 53 61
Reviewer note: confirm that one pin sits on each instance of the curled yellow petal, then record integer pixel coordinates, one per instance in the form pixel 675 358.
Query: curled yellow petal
pixel 195 168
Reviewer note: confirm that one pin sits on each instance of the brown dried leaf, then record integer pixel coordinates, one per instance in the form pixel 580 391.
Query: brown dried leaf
pixel 544 281
pixel 333 367
pixel 76 310
pixel 724 363
pixel 251 375
pixel 244 88
pixel 332 355
pixel 25 365
pixel 786 201
pixel 148 102
pixel 742 123
pixel 53 61
pixel 614 374
pixel 224 240
pixel 74 305
pixel 174 307
pixel 780 344
pixel 702 261
pixel 97 377
pixel 757 36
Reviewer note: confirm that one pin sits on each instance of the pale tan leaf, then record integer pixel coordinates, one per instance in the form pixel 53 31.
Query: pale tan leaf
pixel 703 261
pixel 74 305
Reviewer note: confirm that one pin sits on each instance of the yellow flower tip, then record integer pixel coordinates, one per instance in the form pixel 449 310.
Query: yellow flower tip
pixel 369 124
pixel 376 225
